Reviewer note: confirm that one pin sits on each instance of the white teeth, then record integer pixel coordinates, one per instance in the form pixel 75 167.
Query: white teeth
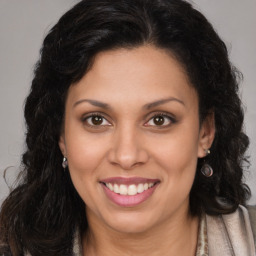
pixel 130 190
pixel 116 188
pixel 140 188
pixel 123 190
pixel 110 186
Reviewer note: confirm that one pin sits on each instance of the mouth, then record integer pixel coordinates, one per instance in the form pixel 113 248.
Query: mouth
pixel 129 191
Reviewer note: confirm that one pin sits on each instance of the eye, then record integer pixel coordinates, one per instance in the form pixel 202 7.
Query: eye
pixel 161 120
pixel 94 120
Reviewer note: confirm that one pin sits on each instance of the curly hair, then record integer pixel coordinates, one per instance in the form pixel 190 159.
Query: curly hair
pixel 40 215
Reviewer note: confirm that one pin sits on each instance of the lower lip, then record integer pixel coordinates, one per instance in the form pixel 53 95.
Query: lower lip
pixel 129 201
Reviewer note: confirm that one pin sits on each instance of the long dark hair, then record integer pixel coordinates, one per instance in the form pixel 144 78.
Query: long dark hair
pixel 40 215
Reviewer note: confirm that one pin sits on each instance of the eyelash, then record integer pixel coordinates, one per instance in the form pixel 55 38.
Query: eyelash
pixel 165 115
pixel 172 120
pixel 91 115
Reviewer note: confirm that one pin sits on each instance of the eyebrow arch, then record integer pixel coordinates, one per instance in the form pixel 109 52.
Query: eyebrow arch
pixel 93 102
pixel 146 106
pixel 162 101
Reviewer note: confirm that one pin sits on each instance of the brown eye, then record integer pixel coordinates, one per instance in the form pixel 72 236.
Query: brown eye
pixel 161 120
pixel 158 120
pixel 96 120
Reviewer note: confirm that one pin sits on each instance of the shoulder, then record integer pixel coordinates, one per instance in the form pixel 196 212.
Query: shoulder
pixel 232 232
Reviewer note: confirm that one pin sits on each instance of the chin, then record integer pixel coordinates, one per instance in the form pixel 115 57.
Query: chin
pixel 129 222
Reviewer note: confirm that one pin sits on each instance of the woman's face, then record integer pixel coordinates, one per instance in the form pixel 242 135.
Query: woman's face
pixel 132 138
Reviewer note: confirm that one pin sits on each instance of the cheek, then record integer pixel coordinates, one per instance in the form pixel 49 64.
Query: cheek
pixel 85 153
pixel 178 152
pixel 178 172
pixel 178 160
pixel 177 157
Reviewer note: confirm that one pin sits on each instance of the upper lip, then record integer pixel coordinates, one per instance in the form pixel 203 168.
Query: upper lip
pixel 129 180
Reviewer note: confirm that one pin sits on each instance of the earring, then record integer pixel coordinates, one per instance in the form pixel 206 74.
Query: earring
pixel 65 163
pixel 207 170
pixel 207 152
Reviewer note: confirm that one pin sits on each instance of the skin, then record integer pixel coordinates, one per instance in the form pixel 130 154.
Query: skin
pixel 130 143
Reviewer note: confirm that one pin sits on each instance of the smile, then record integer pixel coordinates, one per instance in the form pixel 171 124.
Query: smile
pixel 129 192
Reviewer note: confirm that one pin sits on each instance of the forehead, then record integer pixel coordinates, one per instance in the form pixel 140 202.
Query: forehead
pixel 141 74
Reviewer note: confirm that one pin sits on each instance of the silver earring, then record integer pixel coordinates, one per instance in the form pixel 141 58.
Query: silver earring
pixel 207 170
pixel 65 163
pixel 207 152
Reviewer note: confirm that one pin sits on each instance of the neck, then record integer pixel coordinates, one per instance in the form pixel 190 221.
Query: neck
pixel 177 236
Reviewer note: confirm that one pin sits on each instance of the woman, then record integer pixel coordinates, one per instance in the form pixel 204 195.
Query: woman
pixel 134 139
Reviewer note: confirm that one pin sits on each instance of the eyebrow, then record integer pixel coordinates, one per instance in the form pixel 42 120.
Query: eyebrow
pixel 162 101
pixel 146 106
pixel 93 102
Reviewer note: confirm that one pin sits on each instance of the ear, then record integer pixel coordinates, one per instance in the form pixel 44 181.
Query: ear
pixel 206 135
pixel 62 144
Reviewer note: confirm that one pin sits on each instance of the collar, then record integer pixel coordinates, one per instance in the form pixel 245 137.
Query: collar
pixel 230 234
pixel 202 241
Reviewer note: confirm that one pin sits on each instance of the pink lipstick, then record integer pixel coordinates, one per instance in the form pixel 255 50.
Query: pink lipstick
pixel 129 192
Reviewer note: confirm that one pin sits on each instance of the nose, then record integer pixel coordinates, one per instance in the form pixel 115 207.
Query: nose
pixel 127 149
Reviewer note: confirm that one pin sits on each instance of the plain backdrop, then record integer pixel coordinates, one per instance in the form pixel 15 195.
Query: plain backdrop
pixel 23 25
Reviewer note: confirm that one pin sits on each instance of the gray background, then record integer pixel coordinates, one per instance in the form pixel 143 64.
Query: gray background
pixel 23 25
